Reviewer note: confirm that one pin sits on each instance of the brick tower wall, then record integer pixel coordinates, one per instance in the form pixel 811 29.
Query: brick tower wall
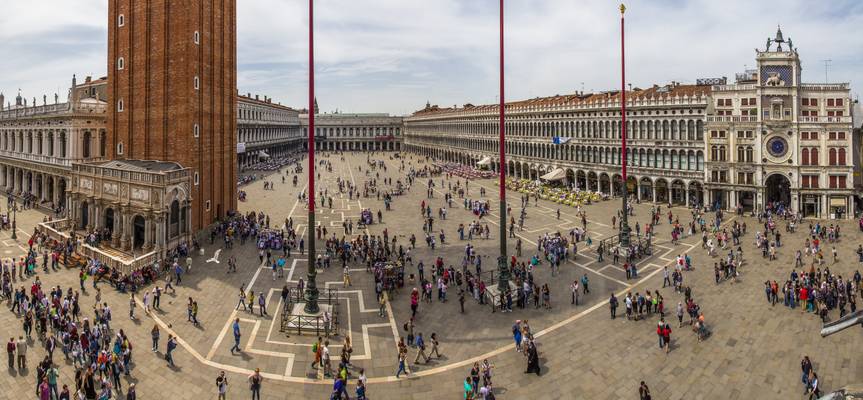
pixel 160 103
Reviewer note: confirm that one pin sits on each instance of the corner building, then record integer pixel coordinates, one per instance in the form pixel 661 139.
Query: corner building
pixel 776 140
pixel 172 94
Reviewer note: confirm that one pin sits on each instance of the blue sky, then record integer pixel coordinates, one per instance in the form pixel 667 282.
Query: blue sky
pixel 394 55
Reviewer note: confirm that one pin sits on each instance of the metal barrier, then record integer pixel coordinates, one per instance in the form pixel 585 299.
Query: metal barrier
pixel 304 323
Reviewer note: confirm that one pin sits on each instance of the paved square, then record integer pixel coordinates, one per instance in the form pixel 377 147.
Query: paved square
pixel 753 352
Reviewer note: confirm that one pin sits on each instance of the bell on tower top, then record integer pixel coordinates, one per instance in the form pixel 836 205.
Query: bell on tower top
pixel 778 34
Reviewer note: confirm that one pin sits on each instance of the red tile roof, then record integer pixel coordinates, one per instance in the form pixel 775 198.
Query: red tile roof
pixel 586 98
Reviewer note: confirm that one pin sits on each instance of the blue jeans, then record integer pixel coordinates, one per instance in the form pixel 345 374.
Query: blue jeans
pixel 401 368
pixel 236 344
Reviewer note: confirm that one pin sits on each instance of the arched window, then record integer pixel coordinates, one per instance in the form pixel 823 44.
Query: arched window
pixel 841 157
pixel 741 154
pixel 804 156
pixel 750 154
pixel 832 157
pixel 722 153
pixel 714 153
pixel 813 156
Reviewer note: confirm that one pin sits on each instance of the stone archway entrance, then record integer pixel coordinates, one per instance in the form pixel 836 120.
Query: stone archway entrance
pixel 777 190
pixel 85 215
pixel 109 220
pixel 138 230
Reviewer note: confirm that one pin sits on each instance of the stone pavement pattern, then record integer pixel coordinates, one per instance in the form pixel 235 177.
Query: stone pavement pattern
pixel 753 352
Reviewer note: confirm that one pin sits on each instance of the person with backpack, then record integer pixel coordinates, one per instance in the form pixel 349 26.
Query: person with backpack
pixel 172 344
pixel 222 385
pixel 421 349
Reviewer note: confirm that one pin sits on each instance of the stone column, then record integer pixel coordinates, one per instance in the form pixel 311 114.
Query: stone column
pixel 97 215
pixel 653 188
pixel 42 191
pixel 148 234
pixel 91 213
pixel 686 190
pixel 160 232
pixel 124 230
pixel 56 189
pixel 188 227
pixel 117 229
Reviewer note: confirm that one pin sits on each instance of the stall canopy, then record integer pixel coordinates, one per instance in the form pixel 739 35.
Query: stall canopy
pixel 263 155
pixel 555 175
pixel 485 161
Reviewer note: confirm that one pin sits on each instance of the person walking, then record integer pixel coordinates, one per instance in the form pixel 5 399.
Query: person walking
pixel 236 330
pixel 241 300
pixel 434 349
pixel 421 349
pixel 169 355
pixel 21 351
pixel 10 351
pixel 262 304
pixel 643 391
pixel 612 305
pixel 154 334
pixel 255 381
pixel 222 385
pixel 132 306
pixel 403 351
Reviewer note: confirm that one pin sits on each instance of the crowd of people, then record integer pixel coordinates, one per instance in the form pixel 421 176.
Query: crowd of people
pixel 102 355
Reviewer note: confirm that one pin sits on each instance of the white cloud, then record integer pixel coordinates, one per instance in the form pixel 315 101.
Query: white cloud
pixel 393 55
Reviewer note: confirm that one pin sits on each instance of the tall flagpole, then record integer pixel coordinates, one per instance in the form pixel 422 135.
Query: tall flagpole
pixel 503 269
pixel 624 220
pixel 311 294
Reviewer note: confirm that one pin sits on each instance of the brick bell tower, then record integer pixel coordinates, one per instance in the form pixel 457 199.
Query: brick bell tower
pixel 172 79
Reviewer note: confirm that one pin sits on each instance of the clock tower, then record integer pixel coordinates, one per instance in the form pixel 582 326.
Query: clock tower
pixel 776 144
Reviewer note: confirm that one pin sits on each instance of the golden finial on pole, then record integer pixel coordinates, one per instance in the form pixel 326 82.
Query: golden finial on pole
pixel 622 8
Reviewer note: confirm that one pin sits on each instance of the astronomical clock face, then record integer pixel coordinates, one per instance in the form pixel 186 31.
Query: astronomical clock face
pixel 777 147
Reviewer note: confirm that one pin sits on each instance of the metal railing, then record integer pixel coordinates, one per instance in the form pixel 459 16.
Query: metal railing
pixel 305 323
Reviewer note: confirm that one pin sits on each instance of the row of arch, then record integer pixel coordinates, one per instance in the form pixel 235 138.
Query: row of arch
pixel 54 143
pixel 647 129
pixel 676 159
pixel 672 191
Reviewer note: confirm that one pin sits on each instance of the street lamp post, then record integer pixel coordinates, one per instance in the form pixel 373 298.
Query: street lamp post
pixel 503 269
pixel 14 220
pixel 311 292
pixel 624 220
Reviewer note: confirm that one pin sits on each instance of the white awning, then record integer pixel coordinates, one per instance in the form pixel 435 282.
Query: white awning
pixel 555 175
pixel 484 161
pixel 263 154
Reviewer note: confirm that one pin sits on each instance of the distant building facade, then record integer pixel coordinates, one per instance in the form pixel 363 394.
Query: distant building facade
pixel 265 130
pixel 39 143
pixel 355 132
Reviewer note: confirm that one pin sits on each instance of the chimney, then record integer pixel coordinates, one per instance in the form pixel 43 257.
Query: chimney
pixel 88 79
pixel 249 95
pixel 257 97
